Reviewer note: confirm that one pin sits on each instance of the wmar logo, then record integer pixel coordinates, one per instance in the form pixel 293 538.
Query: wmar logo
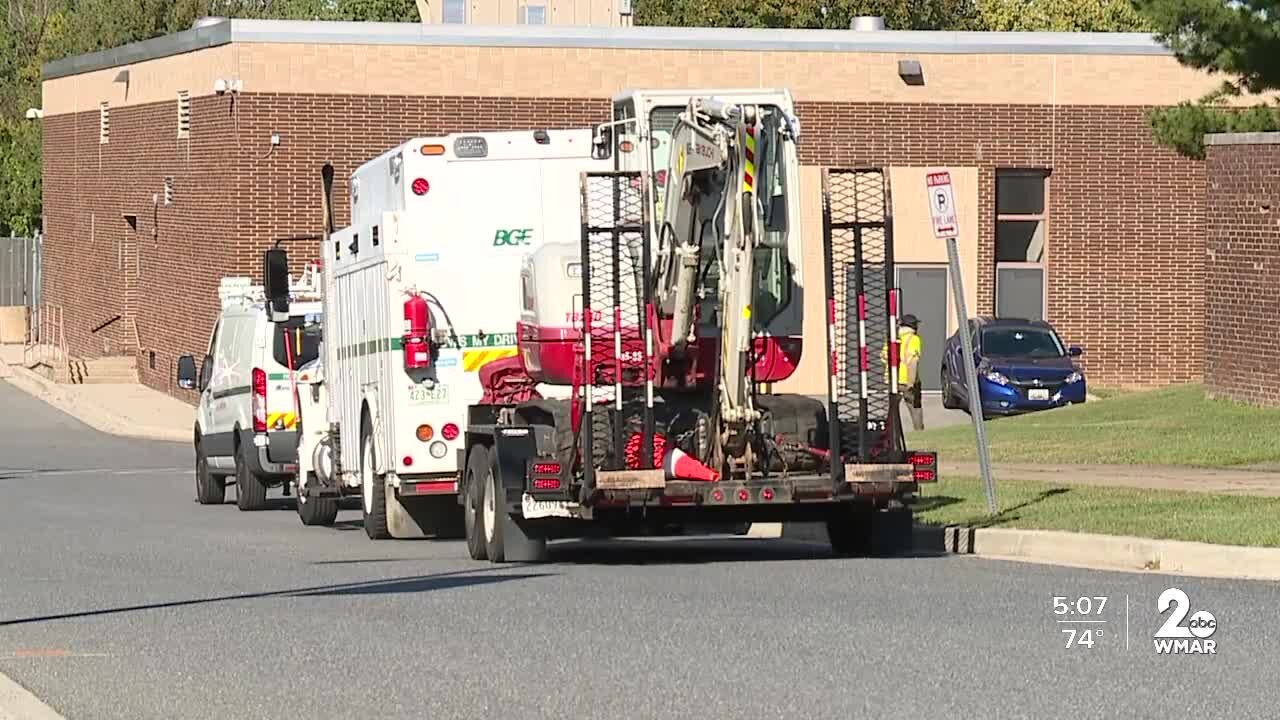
pixel 1174 638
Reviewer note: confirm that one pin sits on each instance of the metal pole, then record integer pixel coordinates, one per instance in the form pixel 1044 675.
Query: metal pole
pixel 971 376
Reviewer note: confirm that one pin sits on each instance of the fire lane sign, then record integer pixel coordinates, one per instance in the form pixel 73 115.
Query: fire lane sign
pixel 942 205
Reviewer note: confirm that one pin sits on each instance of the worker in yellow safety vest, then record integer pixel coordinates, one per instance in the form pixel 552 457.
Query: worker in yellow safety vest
pixel 910 349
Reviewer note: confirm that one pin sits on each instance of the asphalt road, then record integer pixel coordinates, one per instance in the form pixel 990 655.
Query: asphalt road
pixel 122 598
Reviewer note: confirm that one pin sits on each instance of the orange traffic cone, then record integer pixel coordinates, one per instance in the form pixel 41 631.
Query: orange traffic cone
pixel 681 466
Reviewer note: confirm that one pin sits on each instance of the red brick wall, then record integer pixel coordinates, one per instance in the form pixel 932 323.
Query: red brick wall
pixel 1242 294
pixel 1124 216
pixel 1124 221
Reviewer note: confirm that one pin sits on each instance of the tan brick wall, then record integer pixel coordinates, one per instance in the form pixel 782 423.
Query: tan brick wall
pixel 1124 215
pixel 987 79
pixel 1242 285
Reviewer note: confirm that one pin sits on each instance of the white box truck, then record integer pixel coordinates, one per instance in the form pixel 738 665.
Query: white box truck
pixel 422 296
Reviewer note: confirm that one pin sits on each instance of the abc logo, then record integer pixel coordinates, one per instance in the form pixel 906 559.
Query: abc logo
pixel 1202 624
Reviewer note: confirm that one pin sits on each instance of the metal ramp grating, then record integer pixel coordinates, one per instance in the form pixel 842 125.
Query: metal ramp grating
pixel 615 317
pixel 858 248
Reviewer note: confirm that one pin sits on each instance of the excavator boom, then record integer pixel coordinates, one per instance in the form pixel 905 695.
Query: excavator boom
pixel 713 216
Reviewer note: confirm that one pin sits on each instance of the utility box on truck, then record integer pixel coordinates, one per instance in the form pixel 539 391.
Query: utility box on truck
pixel 422 299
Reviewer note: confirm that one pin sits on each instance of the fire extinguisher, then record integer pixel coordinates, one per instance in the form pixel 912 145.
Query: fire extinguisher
pixel 417 331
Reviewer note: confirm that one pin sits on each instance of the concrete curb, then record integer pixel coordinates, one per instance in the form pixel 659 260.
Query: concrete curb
pixel 90 413
pixel 1113 552
pixel 17 703
pixel 1087 550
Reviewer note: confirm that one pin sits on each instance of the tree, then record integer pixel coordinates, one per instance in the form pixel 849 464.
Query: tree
pixel 1241 40
pixel 897 14
pixel 1061 16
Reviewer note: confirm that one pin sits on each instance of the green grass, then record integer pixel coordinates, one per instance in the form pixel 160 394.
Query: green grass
pixel 1160 514
pixel 1172 426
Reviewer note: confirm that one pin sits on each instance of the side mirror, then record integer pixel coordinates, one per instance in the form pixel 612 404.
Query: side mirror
pixel 1075 351
pixel 603 143
pixel 187 372
pixel 275 278
pixel 206 372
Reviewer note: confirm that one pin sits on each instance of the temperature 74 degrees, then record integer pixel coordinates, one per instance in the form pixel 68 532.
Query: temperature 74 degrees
pixel 1080 619
pixel 1084 636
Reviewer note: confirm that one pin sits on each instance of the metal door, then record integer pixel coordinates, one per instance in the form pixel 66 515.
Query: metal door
pixel 924 294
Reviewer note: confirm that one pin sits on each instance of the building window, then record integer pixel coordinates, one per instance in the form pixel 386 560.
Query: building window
pixel 532 15
pixel 455 11
pixel 1022 204
pixel 104 124
pixel 184 114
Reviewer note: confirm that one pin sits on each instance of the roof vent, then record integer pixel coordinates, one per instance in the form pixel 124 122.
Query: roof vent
pixel 207 21
pixel 867 23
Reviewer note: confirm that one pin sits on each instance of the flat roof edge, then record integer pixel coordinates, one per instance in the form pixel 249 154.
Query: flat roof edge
pixel 621 38
pixel 1244 138
pixel 163 46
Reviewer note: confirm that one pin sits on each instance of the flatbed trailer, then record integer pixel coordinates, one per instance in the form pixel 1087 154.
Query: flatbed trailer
pixel 597 464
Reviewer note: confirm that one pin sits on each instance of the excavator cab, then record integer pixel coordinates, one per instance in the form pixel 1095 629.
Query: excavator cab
pixel 641 132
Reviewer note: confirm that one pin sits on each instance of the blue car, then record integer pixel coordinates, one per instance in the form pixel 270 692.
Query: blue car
pixel 1023 366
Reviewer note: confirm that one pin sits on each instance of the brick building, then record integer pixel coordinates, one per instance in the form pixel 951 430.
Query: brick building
pixel 155 185
pixel 1242 285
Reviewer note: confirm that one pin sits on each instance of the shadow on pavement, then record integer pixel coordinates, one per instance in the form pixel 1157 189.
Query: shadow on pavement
pixel 411 584
pixel 621 551
pixel 425 583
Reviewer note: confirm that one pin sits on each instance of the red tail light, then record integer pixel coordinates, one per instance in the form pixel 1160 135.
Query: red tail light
pixel 450 432
pixel 924 467
pixel 547 483
pixel 259 402
pixel 546 468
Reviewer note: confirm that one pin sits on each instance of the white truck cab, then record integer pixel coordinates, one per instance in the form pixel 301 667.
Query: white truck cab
pixel 246 419
pixel 440 225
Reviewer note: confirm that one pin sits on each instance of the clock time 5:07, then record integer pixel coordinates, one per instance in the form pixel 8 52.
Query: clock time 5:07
pixel 1079 606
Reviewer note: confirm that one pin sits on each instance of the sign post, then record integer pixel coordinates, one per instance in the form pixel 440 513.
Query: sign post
pixel 946 226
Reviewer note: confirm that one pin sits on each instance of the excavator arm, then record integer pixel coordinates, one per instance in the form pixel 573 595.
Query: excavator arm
pixel 711 215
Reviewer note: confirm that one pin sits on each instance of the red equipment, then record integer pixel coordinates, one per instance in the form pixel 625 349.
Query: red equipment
pixel 417 331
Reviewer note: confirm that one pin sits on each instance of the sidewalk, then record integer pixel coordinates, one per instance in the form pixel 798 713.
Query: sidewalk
pixel 125 409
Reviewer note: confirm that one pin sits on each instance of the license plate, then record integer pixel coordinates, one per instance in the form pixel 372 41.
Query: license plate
pixel 419 395
pixel 551 508
pixel 1039 394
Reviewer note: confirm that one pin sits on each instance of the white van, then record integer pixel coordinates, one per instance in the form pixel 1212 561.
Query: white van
pixel 246 421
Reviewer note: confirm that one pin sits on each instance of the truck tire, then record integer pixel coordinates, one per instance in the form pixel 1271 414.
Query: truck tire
pixel 210 490
pixel 473 499
pixel 251 492
pixel 868 532
pixel 505 540
pixel 373 488
pixel 316 510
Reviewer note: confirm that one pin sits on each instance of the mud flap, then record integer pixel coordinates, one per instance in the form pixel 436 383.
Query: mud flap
pixel 430 516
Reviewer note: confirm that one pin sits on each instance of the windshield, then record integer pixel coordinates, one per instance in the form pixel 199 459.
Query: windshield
pixel 299 336
pixel 1021 342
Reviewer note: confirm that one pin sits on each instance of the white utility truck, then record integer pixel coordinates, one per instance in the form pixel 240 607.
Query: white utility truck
pixel 421 302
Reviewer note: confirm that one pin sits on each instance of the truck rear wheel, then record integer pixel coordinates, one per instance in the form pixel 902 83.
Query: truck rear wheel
pixel 373 489
pixel 505 540
pixel 862 531
pixel 316 510
pixel 473 500
pixel 210 490
pixel 251 492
